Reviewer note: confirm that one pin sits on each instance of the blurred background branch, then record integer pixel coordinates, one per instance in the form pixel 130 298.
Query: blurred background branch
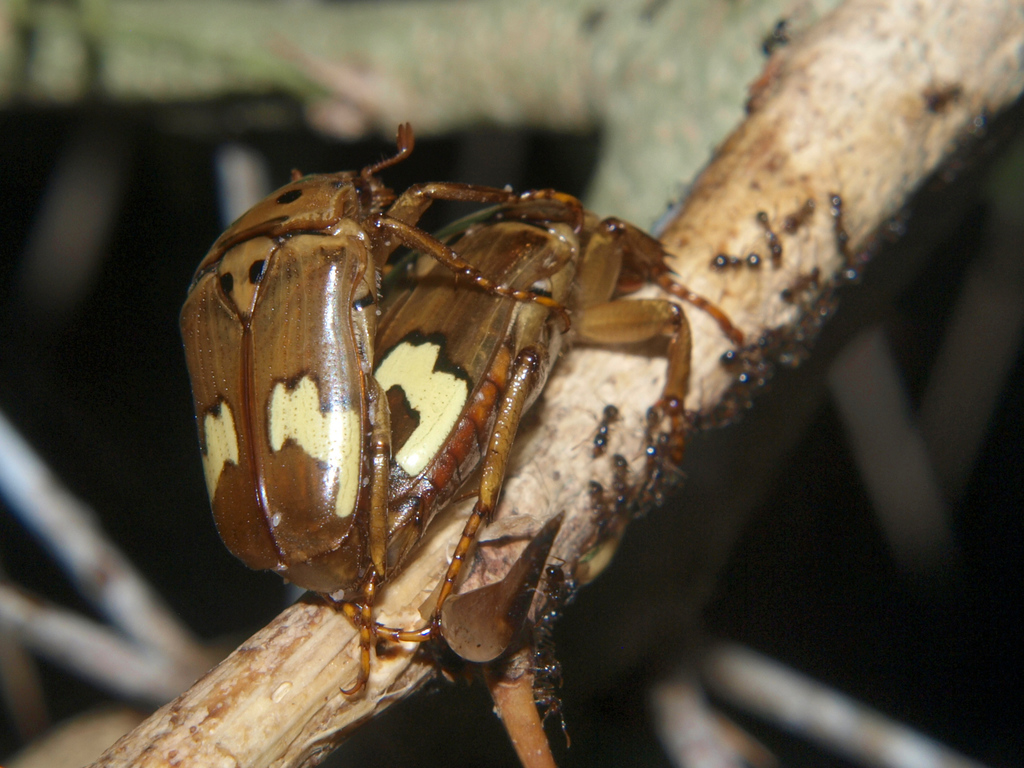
pixel 663 82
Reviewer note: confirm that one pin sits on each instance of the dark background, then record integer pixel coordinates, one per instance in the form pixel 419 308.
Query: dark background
pixel 100 389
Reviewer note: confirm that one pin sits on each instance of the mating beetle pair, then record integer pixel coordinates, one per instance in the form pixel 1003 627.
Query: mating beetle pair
pixel 331 436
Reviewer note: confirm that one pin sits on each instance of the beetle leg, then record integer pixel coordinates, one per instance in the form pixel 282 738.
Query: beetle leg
pixel 627 321
pixel 404 142
pixel 546 206
pixel 380 466
pixel 521 383
pixel 717 314
pixel 412 203
pixel 643 261
pixel 378 537
pixel 418 240
pixel 361 615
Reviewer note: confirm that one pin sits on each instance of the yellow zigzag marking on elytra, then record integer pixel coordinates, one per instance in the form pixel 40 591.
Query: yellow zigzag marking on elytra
pixel 221 446
pixel 332 438
pixel 438 397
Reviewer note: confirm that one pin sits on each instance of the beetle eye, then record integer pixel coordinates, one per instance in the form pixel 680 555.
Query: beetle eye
pixel 227 282
pixel 289 197
pixel 363 301
pixel 256 271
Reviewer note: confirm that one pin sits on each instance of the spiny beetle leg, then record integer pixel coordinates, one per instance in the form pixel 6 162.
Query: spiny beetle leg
pixel 677 383
pixel 644 261
pixel 547 206
pixel 396 635
pixel 411 204
pixel 521 383
pixel 417 240
pixel 404 146
pixel 360 613
pixel 625 321
pixel 734 334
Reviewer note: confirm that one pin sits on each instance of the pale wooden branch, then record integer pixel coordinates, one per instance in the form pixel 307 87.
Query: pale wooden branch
pixel 822 714
pixel 687 728
pixel 68 529
pixel 511 688
pixel 94 651
pixel 20 686
pixel 852 108
pixel 662 81
pixel 80 738
pixel 847 111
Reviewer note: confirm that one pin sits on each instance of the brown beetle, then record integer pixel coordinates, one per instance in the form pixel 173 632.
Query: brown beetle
pixel 460 367
pixel 279 329
pixel 329 474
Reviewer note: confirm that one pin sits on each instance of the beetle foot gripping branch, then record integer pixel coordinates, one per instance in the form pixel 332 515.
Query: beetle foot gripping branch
pixel 360 613
pixel 361 616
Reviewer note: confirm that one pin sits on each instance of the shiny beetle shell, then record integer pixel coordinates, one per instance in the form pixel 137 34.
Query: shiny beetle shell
pixel 278 327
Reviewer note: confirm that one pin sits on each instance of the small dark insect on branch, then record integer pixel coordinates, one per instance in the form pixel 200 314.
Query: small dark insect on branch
pixel 842 238
pixel 774 246
pixel 792 223
pixel 778 37
pixel 938 98
pixel 610 416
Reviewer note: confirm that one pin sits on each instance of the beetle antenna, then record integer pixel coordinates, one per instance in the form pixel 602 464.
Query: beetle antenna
pixel 405 143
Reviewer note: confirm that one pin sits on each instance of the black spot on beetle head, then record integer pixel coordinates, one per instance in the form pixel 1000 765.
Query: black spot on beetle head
pixel 256 270
pixel 227 282
pixel 289 197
